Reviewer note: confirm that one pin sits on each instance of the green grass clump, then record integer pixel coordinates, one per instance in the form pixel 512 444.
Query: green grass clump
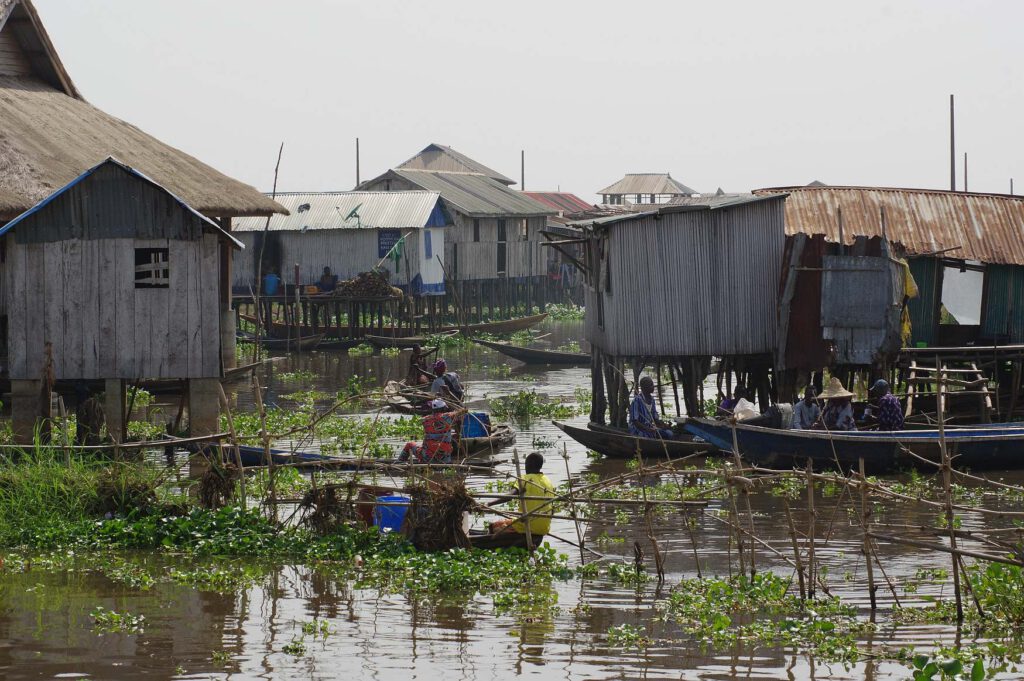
pixel 525 405
pixel 44 491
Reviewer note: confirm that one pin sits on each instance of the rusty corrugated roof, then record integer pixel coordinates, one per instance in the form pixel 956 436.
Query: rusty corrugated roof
pixel 561 201
pixel 986 227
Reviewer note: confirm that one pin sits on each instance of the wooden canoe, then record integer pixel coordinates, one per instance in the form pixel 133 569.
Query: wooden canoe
pixel 303 344
pixel 404 341
pixel 253 456
pixel 282 330
pixel 618 444
pixel 535 355
pixel 480 539
pixel 502 435
pixel 405 400
pixel 992 446
pixel 500 326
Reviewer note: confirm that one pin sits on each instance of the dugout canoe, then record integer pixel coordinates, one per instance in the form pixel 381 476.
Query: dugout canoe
pixel 618 444
pixel 535 355
pixel 304 344
pixel 405 341
pixel 977 448
pixel 253 456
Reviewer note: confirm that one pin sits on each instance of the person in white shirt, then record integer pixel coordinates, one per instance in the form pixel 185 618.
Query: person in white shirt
pixel 806 412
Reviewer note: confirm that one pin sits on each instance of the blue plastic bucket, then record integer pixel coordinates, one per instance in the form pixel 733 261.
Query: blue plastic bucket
pixel 475 424
pixel 389 518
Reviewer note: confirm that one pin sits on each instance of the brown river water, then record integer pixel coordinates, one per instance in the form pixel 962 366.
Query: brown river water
pixel 46 630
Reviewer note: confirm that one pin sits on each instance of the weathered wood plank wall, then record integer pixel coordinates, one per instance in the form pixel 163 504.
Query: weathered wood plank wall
pixel 80 296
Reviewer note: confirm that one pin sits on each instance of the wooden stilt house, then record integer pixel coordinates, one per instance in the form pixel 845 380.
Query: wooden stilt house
pixel 49 135
pixel 112 278
pixel 669 288
pixel 492 249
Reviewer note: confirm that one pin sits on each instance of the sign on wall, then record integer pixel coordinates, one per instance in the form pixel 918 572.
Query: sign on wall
pixel 386 240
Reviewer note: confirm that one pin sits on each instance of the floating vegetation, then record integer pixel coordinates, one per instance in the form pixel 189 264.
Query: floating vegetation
pixel 564 312
pixel 571 346
pixel 299 375
pixel 627 636
pixel 525 405
pixel 111 621
pixel 361 350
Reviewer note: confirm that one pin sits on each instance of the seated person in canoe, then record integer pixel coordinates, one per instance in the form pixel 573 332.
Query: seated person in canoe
pixel 440 428
pixel 538 511
pixel 886 413
pixel 838 411
pixel 418 374
pixel 446 384
pixel 643 414
pixel 728 404
pixel 806 412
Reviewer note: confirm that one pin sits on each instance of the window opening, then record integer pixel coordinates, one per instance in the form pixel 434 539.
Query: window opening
pixel 151 268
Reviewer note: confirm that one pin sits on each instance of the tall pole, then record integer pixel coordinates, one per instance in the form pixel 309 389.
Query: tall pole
pixel 357 161
pixel 952 148
pixel 965 171
pixel 522 170
pixel 1011 186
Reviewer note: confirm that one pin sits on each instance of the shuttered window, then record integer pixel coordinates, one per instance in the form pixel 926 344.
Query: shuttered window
pixel 152 269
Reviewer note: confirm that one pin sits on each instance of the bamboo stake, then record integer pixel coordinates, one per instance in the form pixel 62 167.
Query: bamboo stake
pixel 521 487
pixel 796 550
pixel 572 503
pixel 267 457
pixel 811 530
pixel 865 515
pixel 234 441
pixel 947 490
pixel 745 493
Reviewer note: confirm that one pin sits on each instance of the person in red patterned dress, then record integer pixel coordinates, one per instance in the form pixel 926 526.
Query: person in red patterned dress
pixel 439 428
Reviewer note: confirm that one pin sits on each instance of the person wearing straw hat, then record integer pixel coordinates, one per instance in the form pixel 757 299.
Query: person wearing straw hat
pixel 838 411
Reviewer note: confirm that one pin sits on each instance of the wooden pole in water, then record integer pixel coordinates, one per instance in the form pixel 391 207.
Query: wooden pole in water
pixel 572 504
pixel 520 484
pixel 947 487
pixel 268 460
pixel 811 529
pixel 865 515
pixel 796 549
pixel 745 492
pixel 234 442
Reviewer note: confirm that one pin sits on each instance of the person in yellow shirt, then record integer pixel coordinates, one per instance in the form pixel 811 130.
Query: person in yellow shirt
pixel 533 484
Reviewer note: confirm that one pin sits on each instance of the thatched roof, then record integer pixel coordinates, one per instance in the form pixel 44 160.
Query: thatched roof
pixel 50 135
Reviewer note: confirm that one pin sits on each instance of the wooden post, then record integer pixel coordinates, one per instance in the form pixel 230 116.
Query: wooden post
pixel 521 486
pixel 203 415
pixel 114 408
pixel 947 472
pixel 572 505
pixel 811 529
pixel 865 523
pixel 25 409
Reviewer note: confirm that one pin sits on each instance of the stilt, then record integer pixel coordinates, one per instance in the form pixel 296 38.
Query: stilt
pixel 25 409
pixel 114 408
pixel 203 415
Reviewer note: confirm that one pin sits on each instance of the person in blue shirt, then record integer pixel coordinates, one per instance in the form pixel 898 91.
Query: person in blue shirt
pixel 643 414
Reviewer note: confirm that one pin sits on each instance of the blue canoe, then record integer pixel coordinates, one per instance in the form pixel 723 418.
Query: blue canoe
pixel 975 448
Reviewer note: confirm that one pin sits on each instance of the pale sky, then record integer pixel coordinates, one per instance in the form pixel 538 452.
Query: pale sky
pixel 735 95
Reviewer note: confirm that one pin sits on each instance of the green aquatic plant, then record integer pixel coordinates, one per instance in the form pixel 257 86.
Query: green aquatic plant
pixel 111 621
pixel 627 636
pixel 297 376
pixel 361 350
pixel 221 579
pixel 525 405
pixel 564 312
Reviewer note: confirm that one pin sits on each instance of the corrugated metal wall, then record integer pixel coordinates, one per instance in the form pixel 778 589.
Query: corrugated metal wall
pixel 347 252
pixel 923 309
pixel 1003 317
pixel 861 302
pixel 691 283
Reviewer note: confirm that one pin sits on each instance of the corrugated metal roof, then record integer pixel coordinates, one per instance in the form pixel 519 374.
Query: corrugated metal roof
pixel 561 201
pixel 986 227
pixel 347 210
pixel 698 203
pixel 439 158
pixel 475 195
pixel 647 183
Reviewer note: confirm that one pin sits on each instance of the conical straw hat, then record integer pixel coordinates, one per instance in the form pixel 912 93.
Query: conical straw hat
pixel 834 390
